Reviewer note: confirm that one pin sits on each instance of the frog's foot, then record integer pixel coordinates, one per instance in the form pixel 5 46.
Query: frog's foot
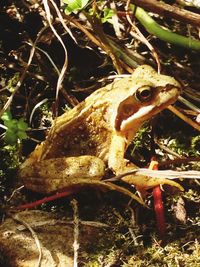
pixel 149 182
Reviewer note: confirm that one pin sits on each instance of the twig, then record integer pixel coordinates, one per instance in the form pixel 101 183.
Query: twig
pixel 34 235
pixel 49 58
pixel 115 20
pixel 97 28
pixel 167 149
pixel 178 161
pixel 166 10
pixel 13 67
pixel 13 192
pixel 184 118
pixel 188 104
pixel 74 204
pixel 193 94
pixel 133 226
pixel 125 55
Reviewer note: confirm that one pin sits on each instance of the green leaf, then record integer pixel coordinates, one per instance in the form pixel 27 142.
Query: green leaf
pixel 108 13
pixel 15 129
pixel 22 135
pixel 6 116
pixel 74 5
pixel 11 124
pixel 22 125
pixel 10 137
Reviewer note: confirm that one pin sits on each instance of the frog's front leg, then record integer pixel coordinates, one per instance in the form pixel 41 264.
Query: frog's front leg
pixel 50 175
pixel 120 165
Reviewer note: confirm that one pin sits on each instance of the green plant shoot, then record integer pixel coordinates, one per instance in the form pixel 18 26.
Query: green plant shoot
pixel 73 6
pixel 16 129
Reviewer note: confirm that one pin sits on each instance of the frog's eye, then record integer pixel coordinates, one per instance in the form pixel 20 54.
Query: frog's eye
pixel 144 94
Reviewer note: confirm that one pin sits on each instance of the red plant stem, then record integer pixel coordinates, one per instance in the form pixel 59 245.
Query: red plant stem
pixel 158 204
pixel 45 199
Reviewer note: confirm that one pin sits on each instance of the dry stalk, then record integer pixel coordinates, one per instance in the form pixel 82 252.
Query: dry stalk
pixel 184 118
pixel 142 37
pixel 19 83
pixel 166 10
pixel 74 204
pixel 24 72
pixel 65 65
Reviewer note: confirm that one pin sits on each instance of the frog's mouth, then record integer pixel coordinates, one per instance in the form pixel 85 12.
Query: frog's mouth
pixel 145 111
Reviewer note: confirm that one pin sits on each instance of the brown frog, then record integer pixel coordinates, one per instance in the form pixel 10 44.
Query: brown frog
pixel 94 135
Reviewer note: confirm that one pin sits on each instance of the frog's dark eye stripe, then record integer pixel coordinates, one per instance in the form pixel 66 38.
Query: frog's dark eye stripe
pixel 128 110
pixel 144 94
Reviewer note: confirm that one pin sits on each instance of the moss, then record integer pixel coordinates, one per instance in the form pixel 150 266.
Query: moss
pixel 9 162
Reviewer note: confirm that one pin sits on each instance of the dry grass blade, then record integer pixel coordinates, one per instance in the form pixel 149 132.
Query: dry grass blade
pixel 62 21
pixel 65 65
pixel 97 28
pixel 142 37
pixel 169 174
pixel 19 83
pixel 115 21
pixel 24 73
pixel 74 204
pixel 189 104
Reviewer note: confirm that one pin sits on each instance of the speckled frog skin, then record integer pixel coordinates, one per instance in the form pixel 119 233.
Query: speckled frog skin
pixel 96 133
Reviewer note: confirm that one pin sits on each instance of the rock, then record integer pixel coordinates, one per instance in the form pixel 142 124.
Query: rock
pixel 55 236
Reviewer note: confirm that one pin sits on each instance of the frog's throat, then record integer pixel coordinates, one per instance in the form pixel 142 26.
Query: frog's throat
pixel 136 117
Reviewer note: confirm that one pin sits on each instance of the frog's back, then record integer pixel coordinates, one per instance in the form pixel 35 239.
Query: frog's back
pixel 86 127
pixel 80 131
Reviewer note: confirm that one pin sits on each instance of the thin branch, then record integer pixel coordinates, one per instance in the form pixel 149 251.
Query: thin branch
pixel 167 149
pixel 189 104
pixel 178 161
pixel 184 118
pixel 163 9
